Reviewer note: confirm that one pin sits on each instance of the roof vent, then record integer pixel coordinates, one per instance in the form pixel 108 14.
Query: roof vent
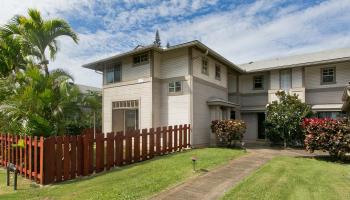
pixel 251 62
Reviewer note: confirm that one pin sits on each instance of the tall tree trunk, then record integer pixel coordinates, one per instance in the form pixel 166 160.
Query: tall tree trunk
pixel 46 69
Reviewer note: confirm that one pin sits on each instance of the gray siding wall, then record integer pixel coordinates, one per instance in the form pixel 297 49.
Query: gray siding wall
pixel 202 91
pixel 251 119
pixel 324 96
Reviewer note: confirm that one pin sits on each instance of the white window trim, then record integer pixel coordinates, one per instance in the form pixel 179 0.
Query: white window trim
pixel 334 76
pixel 202 66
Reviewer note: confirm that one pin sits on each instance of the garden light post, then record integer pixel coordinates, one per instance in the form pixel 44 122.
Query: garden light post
pixel 194 159
pixel 12 168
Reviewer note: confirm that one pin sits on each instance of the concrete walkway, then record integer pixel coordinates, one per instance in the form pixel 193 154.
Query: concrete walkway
pixel 215 183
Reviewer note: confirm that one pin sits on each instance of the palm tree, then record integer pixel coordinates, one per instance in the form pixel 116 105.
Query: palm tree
pixel 38 36
pixel 39 104
pixel 12 58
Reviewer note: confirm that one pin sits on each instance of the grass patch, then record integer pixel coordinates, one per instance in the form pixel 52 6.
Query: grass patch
pixel 295 178
pixel 137 181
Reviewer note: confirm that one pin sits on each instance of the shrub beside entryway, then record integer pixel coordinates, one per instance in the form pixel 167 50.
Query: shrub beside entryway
pixel 327 135
pixel 228 132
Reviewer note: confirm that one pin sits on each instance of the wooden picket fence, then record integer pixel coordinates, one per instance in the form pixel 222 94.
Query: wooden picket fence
pixel 61 158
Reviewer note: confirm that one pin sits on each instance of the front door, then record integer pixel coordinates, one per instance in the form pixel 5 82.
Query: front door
pixel 261 126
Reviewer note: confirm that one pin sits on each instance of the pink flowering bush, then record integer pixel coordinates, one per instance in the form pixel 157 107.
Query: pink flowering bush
pixel 327 135
pixel 228 131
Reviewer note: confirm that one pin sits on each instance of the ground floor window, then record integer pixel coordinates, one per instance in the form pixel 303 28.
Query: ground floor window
pixel 330 114
pixel 125 115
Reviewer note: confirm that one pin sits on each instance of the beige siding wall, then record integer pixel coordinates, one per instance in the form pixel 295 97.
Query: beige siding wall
pixel 175 109
pixel 174 63
pixel 156 63
pixel 197 69
pixel 251 119
pixel 246 83
pixel 128 91
pixel 274 80
pixel 130 72
pixel 201 113
pixel 313 76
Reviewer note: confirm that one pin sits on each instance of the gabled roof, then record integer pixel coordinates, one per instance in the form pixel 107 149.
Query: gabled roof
pixel 98 65
pixel 323 57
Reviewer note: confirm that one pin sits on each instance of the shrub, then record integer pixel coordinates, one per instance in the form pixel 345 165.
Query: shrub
pixel 327 135
pixel 283 119
pixel 228 131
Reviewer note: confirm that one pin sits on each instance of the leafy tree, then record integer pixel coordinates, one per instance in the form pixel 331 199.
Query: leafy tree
pixel 284 117
pixel 157 41
pixel 37 36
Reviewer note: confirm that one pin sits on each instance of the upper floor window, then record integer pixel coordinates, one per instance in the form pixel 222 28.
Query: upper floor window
pixel 113 73
pixel 217 72
pixel 328 75
pixel 205 66
pixel 140 59
pixel 258 82
pixel 175 86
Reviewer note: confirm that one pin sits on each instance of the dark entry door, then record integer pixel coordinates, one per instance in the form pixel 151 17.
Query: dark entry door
pixel 261 127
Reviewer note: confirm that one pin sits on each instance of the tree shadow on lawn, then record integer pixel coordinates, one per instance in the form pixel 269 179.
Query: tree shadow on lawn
pixel 328 158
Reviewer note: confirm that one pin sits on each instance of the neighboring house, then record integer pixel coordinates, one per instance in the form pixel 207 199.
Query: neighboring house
pixel 192 84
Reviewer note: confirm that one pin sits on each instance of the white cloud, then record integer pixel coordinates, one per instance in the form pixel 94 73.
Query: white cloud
pixel 241 33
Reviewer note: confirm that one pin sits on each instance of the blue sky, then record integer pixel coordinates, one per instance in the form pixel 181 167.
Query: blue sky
pixel 241 30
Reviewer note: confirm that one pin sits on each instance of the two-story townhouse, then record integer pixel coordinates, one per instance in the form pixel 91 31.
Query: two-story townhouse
pixel 190 83
pixel 152 87
pixel 317 78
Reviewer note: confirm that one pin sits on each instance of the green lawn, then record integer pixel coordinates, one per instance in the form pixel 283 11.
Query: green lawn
pixel 136 181
pixel 295 178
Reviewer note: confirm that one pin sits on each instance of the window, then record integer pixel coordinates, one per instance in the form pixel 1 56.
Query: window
pixel 217 72
pixel 175 86
pixel 205 67
pixel 113 73
pixel 140 59
pixel 258 82
pixel 285 79
pixel 330 114
pixel 328 75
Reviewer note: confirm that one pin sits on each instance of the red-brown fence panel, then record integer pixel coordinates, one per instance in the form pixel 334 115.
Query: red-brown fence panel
pixel 180 137
pixel 110 150
pixel 185 136
pixel 144 144
pixel 119 149
pixel 137 146
pixel 73 156
pixel 80 155
pixel 60 158
pixel 164 140
pixel 170 139
pixel 175 137
pixel 151 143
pixel 158 139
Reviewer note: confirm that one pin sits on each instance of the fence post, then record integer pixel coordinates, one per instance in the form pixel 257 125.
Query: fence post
pixel 180 137
pixel 189 136
pixel 110 150
pixel 41 170
pixel 73 156
pixel 35 158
